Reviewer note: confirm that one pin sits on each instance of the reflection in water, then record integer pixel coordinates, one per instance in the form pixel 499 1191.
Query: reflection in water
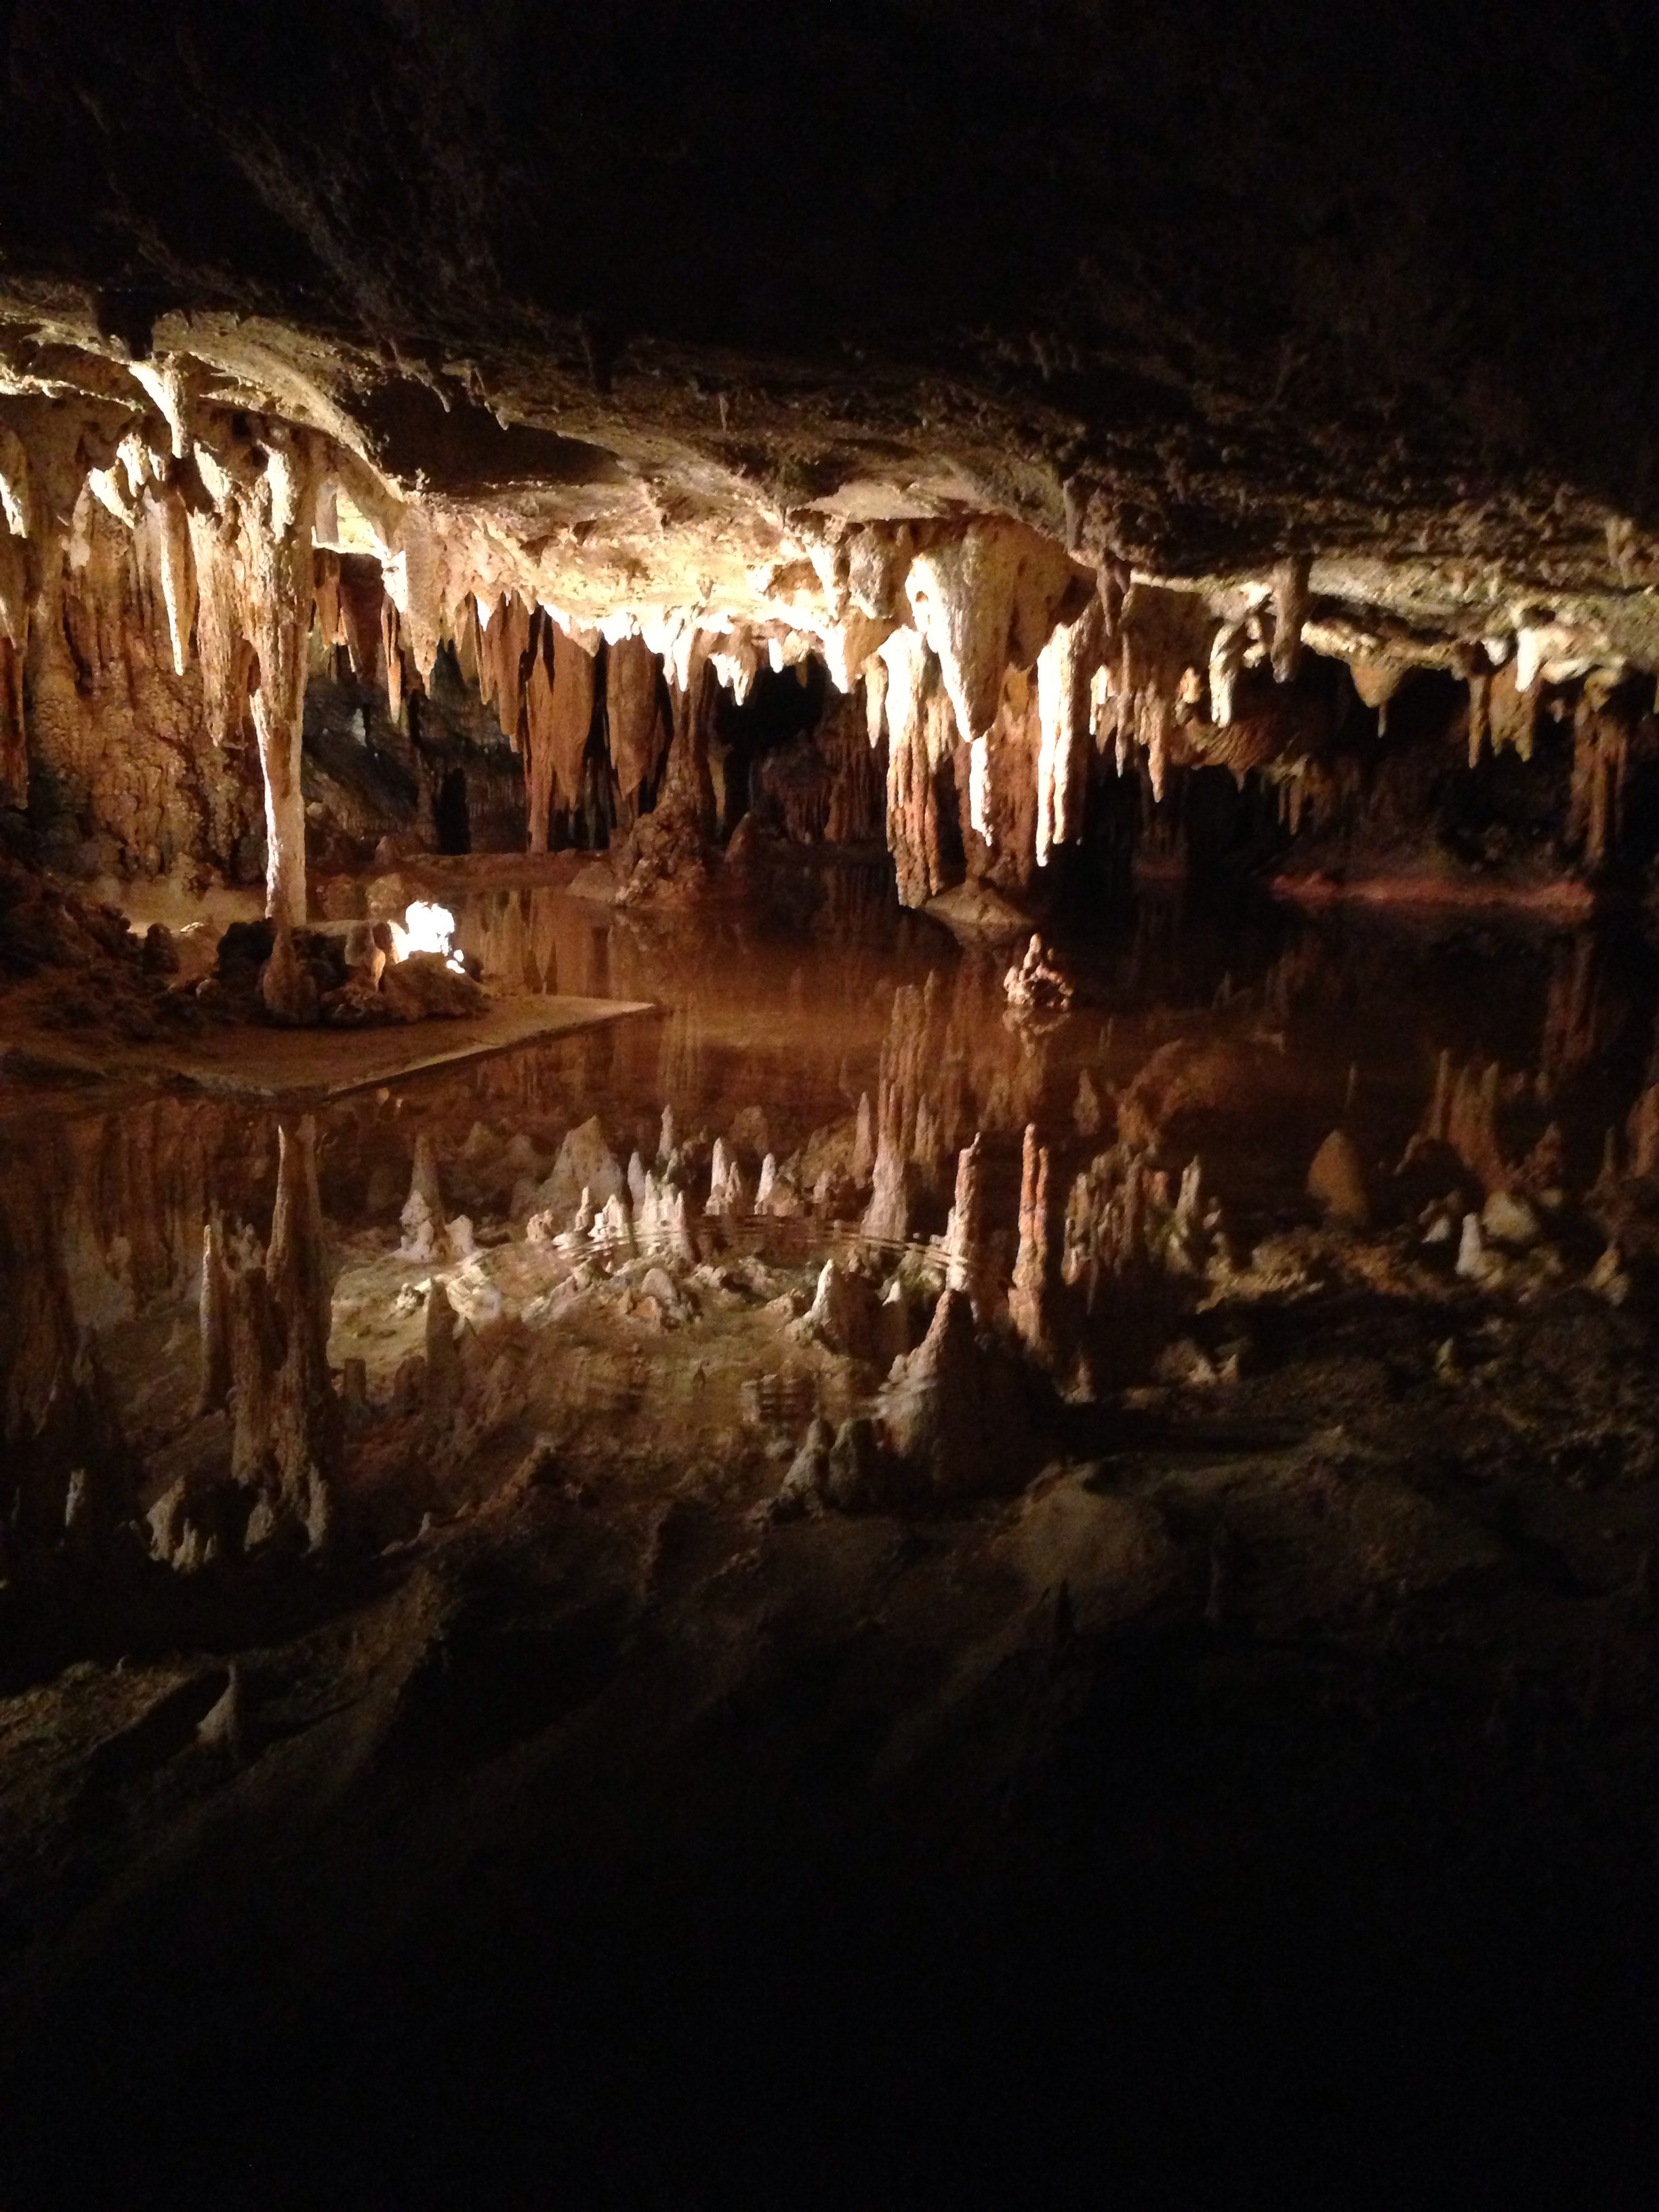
pixel 844 1056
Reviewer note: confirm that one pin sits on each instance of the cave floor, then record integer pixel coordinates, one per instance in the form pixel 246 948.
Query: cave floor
pixel 242 1061
pixel 1254 1796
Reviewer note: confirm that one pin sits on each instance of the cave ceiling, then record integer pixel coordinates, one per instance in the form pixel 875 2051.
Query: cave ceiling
pixel 646 312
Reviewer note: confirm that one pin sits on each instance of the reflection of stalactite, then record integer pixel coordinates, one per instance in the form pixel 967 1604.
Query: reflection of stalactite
pixel 1601 755
pixel 1577 1015
pixel 680 1066
pixel 286 1418
pixel 1642 1133
pixel 828 786
pixel 1463 1115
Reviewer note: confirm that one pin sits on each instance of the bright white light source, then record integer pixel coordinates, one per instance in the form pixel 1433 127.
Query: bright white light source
pixel 427 928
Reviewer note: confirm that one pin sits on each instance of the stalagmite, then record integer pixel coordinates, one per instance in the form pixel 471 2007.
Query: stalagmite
pixel 949 1415
pixel 887 1218
pixel 287 987
pixel 1030 1294
pixel 423 1215
pixel 727 1193
pixel 968 1264
pixel 613 1231
pixel 1336 1180
pixel 864 1144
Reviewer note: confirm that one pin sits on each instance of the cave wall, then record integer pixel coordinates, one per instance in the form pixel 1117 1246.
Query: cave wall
pixel 122 776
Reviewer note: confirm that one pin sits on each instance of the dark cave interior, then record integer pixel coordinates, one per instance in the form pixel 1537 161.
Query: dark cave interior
pixel 828 1105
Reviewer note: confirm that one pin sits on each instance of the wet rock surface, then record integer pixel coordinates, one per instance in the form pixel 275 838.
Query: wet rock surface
pixel 674 1648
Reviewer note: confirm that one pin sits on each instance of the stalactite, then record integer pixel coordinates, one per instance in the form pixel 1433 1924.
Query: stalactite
pixel 325 588
pixel 171 523
pixel 687 795
pixel 277 515
pixel 362 599
pixel 878 558
pixel 466 634
pixel 1066 668
pixel 913 834
pixel 1479 682
pixel 875 700
pixel 1165 642
pixel 1226 665
pixel 1290 616
pixel 391 653
pixel 982 601
pixel 503 643
pixel 221 648
pixel 14 645
pixel 423 589
pixel 558 711
pixel 634 714
pixel 850 644
pixel 1511 713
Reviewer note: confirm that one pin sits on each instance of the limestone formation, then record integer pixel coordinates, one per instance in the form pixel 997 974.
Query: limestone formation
pixel 1032 1303
pixel 423 1215
pixel 1336 1180
pixel 949 1415
pixel 968 1260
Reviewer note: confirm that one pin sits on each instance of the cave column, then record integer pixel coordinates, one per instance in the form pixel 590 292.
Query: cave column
pixel 278 513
